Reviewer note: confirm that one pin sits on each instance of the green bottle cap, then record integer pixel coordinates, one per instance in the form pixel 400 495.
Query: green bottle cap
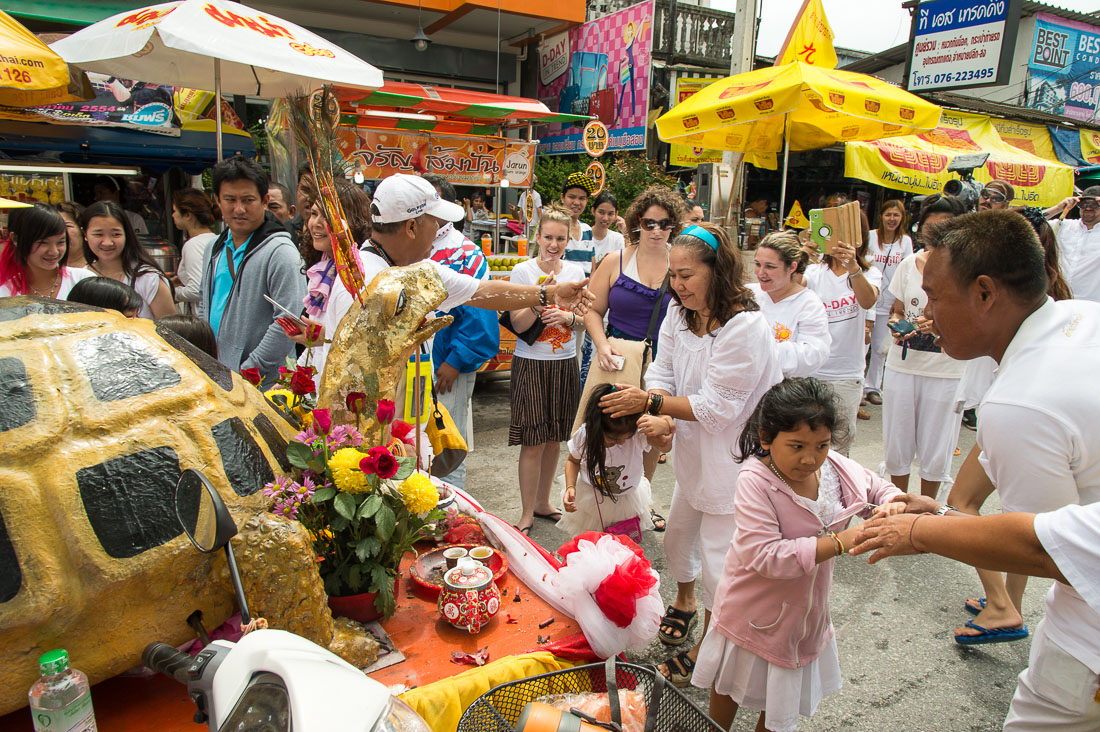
pixel 53 662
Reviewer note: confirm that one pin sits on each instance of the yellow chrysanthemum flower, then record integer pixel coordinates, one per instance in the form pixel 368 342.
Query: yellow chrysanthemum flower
pixel 418 493
pixel 348 477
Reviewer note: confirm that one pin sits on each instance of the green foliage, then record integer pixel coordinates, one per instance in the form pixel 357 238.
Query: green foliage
pixel 628 174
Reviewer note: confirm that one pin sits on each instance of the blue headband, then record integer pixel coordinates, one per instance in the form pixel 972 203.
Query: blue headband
pixel 700 233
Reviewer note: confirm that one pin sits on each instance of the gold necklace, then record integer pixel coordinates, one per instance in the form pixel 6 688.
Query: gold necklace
pixel 51 289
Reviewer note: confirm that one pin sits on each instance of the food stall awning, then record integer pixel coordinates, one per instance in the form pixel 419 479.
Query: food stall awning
pixel 918 163
pixel 407 106
pixel 193 151
pixel 76 12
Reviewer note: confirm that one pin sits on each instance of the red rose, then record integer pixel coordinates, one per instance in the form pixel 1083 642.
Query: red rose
pixel 387 464
pixel 301 383
pixel 370 463
pixel 357 402
pixel 322 421
pixel 252 376
pixel 313 333
pixel 385 411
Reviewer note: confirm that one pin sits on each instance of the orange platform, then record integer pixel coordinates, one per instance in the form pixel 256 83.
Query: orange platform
pixel 160 704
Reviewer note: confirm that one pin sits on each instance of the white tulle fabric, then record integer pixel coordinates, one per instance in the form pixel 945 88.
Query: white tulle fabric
pixel 570 590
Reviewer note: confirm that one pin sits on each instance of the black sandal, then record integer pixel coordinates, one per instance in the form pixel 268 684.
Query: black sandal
pixel 658 520
pixel 680 668
pixel 679 621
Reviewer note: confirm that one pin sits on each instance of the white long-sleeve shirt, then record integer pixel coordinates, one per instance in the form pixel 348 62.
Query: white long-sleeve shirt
pixel 192 260
pixel 723 374
pixel 800 328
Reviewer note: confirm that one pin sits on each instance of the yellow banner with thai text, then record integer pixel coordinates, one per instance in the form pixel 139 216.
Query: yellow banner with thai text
pixel 460 159
pixel 1090 146
pixel 689 156
pixel 918 163
pixel 1034 139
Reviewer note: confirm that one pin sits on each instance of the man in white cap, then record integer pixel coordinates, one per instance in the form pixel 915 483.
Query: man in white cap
pixel 406 214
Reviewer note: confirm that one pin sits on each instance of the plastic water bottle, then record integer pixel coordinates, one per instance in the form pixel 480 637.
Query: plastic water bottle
pixel 61 700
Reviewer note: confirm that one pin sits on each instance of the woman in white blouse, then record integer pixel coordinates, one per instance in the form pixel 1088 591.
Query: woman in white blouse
pixel 796 315
pixel 717 358
pixel 195 214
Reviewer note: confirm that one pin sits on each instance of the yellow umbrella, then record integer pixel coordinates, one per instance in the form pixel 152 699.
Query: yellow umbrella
pixel 9 203
pixel 794 107
pixel 32 74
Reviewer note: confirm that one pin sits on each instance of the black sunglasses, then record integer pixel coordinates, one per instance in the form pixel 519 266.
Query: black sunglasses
pixel 654 224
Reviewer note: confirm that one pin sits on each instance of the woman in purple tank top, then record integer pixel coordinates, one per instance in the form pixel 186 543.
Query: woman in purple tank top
pixel 627 282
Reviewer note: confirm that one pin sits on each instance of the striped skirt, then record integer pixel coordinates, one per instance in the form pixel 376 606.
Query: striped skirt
pixel 545 395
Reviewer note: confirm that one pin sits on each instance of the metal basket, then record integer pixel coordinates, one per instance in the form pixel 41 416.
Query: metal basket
pixel 498 709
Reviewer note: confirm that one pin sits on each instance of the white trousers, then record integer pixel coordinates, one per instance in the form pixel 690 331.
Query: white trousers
pixel 850 394
pixel 696 543
pixel 1055 692
pixel 881 338
pixel 919 420
pixel 457 401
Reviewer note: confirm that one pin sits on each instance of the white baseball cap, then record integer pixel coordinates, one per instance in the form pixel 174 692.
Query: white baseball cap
pixel 401 197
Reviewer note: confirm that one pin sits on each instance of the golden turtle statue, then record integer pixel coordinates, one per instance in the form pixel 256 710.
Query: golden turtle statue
pixel 99 414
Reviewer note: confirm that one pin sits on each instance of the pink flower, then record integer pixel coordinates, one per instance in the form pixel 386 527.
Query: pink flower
pixel 385 411
pixel 322 420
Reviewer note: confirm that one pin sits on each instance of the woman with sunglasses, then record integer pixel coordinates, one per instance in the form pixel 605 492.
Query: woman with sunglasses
pixel 717 358
pixel 626 288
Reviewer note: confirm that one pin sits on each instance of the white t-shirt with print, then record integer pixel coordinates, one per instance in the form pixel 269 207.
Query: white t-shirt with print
pixel 886 261
pixel 800 327
pixel 556 342
pixel 846 318
pixel 906 286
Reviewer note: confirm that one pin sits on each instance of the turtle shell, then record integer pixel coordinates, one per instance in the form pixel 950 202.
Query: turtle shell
pixel 99 414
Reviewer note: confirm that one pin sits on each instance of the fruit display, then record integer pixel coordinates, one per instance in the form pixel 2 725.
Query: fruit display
pixel 504 263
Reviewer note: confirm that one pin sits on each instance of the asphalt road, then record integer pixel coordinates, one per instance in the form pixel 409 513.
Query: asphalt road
pixel 894 620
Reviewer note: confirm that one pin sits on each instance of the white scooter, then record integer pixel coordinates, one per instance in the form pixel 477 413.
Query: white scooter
pixel 270 680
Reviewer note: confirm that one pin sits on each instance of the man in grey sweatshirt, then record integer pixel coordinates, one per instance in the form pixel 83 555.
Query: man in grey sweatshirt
pixel 253 257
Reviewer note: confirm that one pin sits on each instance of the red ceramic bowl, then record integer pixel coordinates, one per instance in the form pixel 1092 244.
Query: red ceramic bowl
pixel 427 571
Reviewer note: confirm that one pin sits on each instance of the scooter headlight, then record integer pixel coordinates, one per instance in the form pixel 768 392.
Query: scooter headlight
pixel 399 717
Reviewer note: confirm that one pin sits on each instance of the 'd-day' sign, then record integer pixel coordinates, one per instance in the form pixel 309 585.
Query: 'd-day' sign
pixel 962 44
pixel 553 58
pixel 458 159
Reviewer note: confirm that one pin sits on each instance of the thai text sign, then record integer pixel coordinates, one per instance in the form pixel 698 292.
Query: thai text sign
pixel 1064 68
pixel 461 160
pixel 960 44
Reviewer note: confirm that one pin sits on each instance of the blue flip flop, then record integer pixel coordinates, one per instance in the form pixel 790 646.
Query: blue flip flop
pixel 994 635
pixel 973 610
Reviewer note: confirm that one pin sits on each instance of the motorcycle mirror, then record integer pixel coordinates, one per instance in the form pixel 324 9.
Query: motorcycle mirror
pixel 209 525
pixel 202 513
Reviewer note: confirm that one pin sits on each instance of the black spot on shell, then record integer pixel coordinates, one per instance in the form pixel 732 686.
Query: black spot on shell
pixel 14 308
pixel 130 501
pixel 118 366
pixel 244 462
pixel 218 372
pixel 16 396
pixel 11 577
pixel 274 440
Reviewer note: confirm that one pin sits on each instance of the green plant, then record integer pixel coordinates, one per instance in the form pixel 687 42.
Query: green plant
pixel 627 175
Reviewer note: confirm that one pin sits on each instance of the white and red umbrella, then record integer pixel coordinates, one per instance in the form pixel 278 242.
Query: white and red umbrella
pixel 215 45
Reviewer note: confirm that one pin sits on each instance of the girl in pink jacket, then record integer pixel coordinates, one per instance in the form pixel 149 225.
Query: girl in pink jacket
pixel 770 646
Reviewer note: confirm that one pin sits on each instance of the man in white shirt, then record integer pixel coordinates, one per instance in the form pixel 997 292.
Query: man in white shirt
pixel 1056 691
pixel 1039 435
pixel 1079 244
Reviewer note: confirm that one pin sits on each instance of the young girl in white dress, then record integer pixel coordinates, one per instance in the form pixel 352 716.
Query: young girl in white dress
pixel 604 477
pixel 771 646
